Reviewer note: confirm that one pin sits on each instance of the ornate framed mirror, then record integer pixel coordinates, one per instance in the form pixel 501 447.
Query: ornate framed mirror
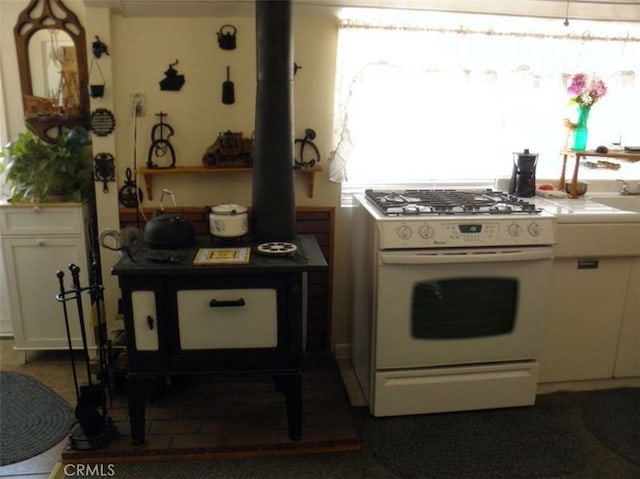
pixel 52 61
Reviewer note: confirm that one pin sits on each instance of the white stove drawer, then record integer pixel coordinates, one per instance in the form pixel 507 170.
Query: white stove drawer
pixel 227 318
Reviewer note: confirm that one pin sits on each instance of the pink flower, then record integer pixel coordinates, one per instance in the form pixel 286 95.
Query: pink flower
pixel 578 84
pixel 586 91
pixel 597 88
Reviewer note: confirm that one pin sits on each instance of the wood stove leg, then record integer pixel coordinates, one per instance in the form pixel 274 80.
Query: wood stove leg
pixel 291 386
pixel 136 394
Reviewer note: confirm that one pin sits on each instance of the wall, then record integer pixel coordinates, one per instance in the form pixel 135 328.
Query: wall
pixel 141 49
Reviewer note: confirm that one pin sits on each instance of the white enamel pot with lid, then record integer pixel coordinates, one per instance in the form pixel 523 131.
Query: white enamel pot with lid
pixel 228 220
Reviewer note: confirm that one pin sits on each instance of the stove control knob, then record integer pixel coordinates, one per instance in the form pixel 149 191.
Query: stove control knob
pixel 535 229
pixel 515 230
pixel 404 232
pixel 426 231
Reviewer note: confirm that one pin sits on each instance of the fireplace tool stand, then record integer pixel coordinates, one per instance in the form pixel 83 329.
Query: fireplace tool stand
pixel 93 428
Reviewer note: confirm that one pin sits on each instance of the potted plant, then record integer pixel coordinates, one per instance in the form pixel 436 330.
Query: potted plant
pixel 37 170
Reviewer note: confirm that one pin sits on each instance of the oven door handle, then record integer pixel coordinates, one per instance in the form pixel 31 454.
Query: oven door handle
pixel 466 256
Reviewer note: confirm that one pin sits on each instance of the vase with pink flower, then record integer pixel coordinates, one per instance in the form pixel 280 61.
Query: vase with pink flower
pixel 585 91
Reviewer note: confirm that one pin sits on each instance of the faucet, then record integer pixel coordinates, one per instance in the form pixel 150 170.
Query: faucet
pixel 626 191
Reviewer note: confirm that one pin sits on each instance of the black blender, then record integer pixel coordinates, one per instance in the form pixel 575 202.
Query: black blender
pixel 523 177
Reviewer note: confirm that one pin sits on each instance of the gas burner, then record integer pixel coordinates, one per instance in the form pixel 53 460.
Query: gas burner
pixel 448 203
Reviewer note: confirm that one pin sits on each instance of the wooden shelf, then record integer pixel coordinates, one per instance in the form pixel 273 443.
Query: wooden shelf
pixel 614 155
pixel 148 173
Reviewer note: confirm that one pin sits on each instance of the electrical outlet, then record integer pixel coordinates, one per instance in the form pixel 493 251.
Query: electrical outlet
pixel 137 104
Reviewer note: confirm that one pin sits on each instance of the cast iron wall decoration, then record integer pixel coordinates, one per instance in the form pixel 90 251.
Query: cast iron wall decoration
pixel 130 195
pixel 99 48
pixel 102 122
pixel 312 152
pixel 104 169
pixel 227 37
pixel 172 81
pixel 229 150
pixel 228 91
pixel 96 89
pixel 161 149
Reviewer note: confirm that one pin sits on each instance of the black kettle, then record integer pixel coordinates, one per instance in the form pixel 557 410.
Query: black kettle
pixel 523 176
pixel 227 39
pixel 169 230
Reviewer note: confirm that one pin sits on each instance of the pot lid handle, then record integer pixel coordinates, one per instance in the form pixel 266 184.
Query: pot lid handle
pixel 168 192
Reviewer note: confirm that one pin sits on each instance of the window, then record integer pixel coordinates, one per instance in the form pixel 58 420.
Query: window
pixel 446 99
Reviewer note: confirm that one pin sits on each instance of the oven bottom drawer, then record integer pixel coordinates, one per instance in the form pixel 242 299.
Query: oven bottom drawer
pixel 460 388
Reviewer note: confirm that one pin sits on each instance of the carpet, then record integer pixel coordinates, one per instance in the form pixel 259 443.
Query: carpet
pixel 613 416
pixel 502 443
pixel 33 418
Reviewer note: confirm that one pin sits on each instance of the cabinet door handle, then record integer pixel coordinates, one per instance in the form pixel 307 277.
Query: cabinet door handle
pixel 216 303
pixel 41 242
pixel 588 263
pixel 150 322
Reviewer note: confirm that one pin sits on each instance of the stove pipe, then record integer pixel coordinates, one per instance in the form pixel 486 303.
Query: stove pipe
pixel 273 196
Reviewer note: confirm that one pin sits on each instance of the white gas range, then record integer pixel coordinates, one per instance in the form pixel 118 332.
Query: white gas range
pixel 450 291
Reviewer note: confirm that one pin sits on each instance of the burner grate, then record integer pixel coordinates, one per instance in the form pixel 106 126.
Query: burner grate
pixel 448 203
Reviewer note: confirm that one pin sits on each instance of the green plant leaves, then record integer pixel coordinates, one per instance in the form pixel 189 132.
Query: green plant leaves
pixel 37 169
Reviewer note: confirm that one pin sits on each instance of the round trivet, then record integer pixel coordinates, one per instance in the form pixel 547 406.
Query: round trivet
pixel 278 248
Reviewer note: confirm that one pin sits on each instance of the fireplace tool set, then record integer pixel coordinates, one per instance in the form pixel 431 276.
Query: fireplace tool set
pixel 93 428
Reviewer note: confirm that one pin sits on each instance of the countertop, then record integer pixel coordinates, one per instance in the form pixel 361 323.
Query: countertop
pixel 582 210
pixel 585 210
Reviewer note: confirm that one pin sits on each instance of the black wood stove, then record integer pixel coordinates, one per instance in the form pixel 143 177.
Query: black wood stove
pixel 182 318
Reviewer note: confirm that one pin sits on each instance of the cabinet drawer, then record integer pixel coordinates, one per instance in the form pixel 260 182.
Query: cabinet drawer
pixel 38 220
pixel 228 318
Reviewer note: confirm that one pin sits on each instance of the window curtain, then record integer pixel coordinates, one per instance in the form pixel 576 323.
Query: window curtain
pixel 426 103
pixel 4 190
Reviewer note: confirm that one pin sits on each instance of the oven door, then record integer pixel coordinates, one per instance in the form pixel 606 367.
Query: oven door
pixel 456 307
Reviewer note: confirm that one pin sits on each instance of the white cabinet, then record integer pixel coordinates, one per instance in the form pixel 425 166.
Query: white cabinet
pixel 628 357
pixel 592 330
pixel 37 241
pixel 585 318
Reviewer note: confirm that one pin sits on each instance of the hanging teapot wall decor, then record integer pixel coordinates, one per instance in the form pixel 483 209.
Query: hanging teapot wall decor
pixel 227 37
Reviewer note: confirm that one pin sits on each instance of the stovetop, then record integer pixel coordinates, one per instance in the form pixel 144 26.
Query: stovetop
pixel 456 219
pixel 448 203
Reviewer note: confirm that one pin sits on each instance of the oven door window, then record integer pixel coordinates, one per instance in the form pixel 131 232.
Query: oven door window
pixel 463 308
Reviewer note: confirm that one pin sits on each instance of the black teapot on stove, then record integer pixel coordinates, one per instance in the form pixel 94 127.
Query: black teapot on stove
pixel 523 177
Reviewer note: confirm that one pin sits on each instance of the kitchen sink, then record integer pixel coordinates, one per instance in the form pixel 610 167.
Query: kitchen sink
pixel 627 203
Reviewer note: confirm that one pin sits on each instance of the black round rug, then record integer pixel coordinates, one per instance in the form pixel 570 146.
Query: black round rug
pixel 613 416
pixel 33 418
pixel 501 443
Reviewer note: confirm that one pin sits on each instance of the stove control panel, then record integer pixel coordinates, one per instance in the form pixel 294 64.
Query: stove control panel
pixel 446 233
